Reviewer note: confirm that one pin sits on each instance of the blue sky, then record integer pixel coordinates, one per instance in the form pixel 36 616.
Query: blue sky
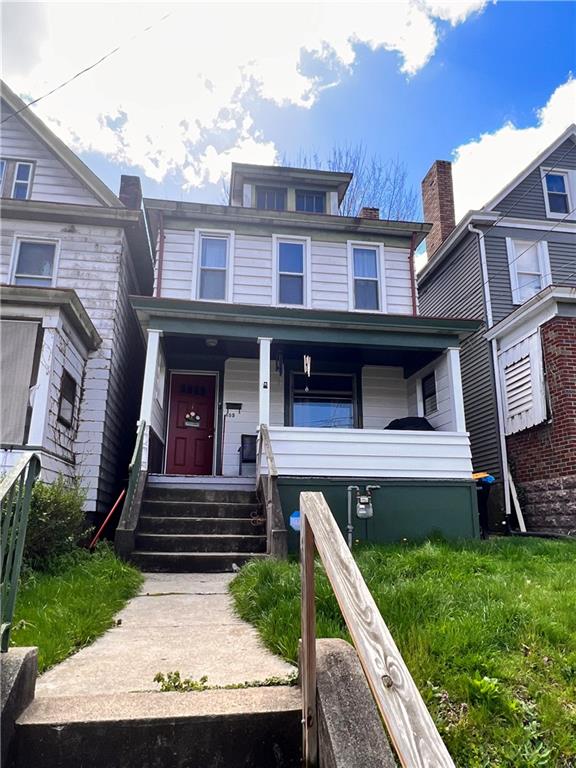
pixel 487 85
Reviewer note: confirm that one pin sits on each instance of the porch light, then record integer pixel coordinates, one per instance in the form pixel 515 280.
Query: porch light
pixel 211 342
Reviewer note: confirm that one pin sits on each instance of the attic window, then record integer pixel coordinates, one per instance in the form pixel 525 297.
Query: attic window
pixel 310 202
pixel 557 193
pixel 16 179
pixel 271 198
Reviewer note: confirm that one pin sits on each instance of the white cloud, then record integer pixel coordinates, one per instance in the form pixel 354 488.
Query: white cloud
pixel 485 165
pixel 178 97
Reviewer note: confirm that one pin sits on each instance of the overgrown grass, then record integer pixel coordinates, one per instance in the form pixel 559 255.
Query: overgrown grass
pixel 69 606
pixel 487 629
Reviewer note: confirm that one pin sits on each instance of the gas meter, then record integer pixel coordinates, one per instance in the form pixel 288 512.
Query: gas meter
pixel 364 507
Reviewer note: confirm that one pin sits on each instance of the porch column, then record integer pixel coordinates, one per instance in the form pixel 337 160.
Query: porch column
pixel 150 367
pixel 40 393
pixel 457 397
pixel 264 381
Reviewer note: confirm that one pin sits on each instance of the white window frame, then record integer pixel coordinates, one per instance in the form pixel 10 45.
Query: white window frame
pixel 15 181
pixel 380 269
pixel 306 277
pixel 18 240
pixel 543 261
pixel 227 234
pixel 570 186
pixel 529 345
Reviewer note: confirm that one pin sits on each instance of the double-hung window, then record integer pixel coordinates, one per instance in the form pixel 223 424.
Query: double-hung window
pixel 556 189
pixel 365 278
pixel 291 272
pixel 22 181
pixel 271 198
pixel 529 268
pixel 213 267
pixel 35 263
pixel 16 178
pixel 310 202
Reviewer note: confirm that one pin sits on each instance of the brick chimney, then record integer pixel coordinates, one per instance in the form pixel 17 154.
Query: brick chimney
pixel 438 202
pixel 369 213
pixel 131 192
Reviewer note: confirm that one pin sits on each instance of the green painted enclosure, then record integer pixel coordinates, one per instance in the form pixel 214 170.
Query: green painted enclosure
pixel 403 509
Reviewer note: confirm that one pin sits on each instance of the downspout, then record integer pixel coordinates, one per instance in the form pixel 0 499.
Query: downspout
pixel 495 368
pixel 161 238
pixel 413 274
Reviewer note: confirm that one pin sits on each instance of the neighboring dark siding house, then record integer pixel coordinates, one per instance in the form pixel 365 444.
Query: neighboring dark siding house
pixel 512 265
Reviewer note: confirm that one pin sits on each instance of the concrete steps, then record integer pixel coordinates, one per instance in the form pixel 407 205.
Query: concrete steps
pixel 244 728
pixel 184 529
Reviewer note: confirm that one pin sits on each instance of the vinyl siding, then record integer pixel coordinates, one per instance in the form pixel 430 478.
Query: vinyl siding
pixel 53 181
pixel 384 396
pixel 562 252
pixel 442 418
pixel 526 200
pixel 455 290
pixel 253 262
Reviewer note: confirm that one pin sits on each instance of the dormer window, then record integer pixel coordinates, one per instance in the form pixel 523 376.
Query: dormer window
pixel 16 179
pixel 271 198
pixel 310 202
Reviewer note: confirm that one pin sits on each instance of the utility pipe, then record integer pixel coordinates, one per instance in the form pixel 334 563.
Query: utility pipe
pixel 350 527
pixel 161 238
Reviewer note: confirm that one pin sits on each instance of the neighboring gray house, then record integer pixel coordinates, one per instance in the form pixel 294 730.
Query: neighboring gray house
pixel 71 252
pixel 512 265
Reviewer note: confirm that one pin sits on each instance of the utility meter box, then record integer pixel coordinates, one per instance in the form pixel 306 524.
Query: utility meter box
pixel 364 507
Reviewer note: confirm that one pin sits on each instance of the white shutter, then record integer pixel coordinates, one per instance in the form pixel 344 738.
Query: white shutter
pixel 522 380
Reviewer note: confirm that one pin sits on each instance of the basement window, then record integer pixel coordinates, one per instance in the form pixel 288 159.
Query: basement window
pixel 67 400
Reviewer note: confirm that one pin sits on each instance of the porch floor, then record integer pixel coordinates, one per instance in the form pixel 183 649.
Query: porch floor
pixel 204 482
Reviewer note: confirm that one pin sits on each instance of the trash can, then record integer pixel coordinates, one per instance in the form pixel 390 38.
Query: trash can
pixel 484 483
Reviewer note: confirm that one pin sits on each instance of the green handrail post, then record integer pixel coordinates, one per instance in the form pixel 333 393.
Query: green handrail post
pixel 15 497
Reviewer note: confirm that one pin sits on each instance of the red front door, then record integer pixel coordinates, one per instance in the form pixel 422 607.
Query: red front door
pixel 191 425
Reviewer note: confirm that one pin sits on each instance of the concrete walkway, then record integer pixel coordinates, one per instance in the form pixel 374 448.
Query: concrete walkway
pixel 178 622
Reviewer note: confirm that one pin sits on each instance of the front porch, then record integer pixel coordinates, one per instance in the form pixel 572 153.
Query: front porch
pixel 345 400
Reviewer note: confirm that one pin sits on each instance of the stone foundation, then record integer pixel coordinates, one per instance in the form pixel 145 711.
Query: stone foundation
pixel 550 505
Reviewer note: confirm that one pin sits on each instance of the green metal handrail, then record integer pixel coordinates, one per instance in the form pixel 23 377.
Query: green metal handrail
pixel 134 468
pixel 15 495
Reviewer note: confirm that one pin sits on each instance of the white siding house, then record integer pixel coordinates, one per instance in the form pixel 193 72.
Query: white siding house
pixel 71 253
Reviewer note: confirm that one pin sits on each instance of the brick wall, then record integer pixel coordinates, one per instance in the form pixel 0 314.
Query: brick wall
pixel 543 458
pixel 438 204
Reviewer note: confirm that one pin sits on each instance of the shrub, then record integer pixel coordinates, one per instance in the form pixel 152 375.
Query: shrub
pixel 57 523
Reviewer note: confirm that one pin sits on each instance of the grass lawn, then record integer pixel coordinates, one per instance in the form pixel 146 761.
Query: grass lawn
pixel 69 607
pixel 487 629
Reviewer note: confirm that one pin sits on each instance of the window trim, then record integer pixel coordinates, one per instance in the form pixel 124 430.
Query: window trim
pixel 63 420
pixel 569 182
pixel 309 192
pixel 9 177
pixel 18 239
pixel 543 261
pixel 306 281
pixel 15 180
pixel 228 234
pixel 380 268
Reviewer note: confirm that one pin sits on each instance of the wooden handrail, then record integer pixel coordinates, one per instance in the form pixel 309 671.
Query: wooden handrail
pixel 266 443
pixel 408 722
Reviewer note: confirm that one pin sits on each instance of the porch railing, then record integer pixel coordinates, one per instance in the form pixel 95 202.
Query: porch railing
pixel 125 532
pixel 15 496
pixel 266 480
pixel 408 722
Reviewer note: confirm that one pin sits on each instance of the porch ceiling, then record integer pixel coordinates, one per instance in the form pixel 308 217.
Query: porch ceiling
pixel 187 352
pixel 248 322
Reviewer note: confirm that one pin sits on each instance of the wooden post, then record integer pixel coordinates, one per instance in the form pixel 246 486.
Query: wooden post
pixel 150 367
pixel 308 656
pixel 264 380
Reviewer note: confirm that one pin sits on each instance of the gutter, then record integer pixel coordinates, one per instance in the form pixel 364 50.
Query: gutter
pixel 495 370
pixel 161 238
